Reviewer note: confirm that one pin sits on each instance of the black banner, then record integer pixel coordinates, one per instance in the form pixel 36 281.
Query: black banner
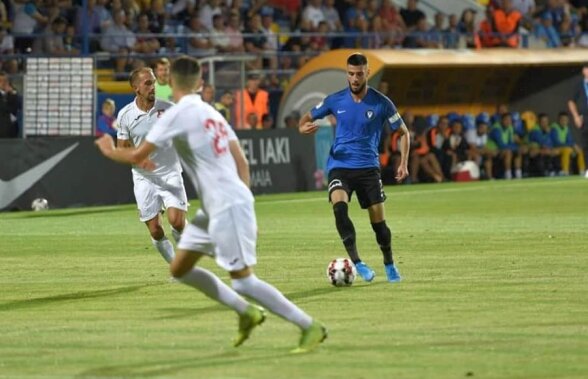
pixel 70 172
pixel 280 160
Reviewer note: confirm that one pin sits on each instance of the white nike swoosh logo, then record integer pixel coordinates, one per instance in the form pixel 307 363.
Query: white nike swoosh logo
pixel 12 189
pixel 339 112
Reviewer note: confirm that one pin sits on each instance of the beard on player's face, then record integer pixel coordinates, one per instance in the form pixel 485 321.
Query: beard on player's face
pixel 357 89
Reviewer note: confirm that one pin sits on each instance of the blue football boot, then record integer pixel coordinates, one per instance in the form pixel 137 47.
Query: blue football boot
pixel 392 273
pixel 365 271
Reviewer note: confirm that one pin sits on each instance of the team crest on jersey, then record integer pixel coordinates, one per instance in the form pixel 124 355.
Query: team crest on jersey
pixel 369 114
pixel 160 112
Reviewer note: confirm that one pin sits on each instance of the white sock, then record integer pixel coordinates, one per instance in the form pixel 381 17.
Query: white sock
pixel 165 248
pixel 507 174
pixel 272 299
pixel 177 234
pixel 210 285
pixel 518 173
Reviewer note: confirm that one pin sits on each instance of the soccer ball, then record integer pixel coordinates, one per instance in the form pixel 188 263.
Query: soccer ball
pixel 341 272
pixel 40 204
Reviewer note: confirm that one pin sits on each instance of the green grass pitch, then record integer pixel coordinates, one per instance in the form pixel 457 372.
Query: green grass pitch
pixel 495 286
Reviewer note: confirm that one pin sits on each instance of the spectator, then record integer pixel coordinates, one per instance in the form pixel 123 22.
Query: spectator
pixel 313 14
pixel 163 90
pixel 451 33
pixel 146 43
pixel 393 22
pixel 411 14
pixel 106 123
pixel 267 121
pixel 9 65
pixel 219 38
pixel 207 94
pixel 506 21
pixel 256 42
pixel 119 41
pixel 562 138
pixel 544 159
pixel 332 17
pixel 199 45
pixel 467 27
pixel 251 99
pixel 546 32
pixel 501 142
pixel 478 151
pixel 233 30
pixel 52 42
pixel 3 16
pixel 27 20
pixel 421 37
pixel 9 108
pixel 252 121
pixel 207 11
pixel 457 146
pixel 225 104
pixel 291 121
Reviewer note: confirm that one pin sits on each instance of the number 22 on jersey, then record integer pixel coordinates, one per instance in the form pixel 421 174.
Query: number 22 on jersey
pixel 216 129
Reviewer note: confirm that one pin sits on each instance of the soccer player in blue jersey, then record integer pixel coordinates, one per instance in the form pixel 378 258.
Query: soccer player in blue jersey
pixel 353 165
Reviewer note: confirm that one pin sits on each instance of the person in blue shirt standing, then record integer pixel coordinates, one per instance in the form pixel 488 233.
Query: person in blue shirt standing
pixel 578 106
pixel 353 166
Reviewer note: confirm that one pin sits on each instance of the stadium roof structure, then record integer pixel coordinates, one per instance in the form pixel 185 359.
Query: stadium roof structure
pixel 438 80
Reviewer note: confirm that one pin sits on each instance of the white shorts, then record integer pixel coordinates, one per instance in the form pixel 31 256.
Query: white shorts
pixel 156 193
pixel 230 237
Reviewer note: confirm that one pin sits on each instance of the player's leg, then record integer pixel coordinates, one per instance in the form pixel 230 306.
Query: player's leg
pixel 585 146
pixel 235 234
pixel 195 243
pixel 339 195
pixel 176 202
pixel 149 204
pixel 371 196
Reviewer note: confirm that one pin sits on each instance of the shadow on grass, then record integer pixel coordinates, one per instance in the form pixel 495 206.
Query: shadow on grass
pixel 166 367
pixel 81 295
pixel 65 213
pixel 294 296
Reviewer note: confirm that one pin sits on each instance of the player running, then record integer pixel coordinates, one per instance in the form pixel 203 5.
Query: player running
pixel 164 186
pixel 227 230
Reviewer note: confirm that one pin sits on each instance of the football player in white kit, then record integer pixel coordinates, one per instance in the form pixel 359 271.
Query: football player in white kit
pixel 217 166
pixel 164 186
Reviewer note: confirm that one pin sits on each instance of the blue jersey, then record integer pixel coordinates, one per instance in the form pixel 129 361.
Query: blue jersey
pixel 359 127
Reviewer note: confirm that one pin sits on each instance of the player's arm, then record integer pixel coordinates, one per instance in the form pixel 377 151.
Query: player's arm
pixel 123 143
pixel 306 124
pixel 137 156
pixel 404 151
pixel 575 114
pixel 241 161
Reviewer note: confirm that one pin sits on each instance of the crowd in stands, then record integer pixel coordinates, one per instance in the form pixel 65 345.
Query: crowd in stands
pixel 505 145
pixel 281 34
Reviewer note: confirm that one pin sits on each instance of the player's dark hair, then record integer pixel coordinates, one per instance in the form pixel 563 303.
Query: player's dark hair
pixel 505 115
pixel 185 71
pixel 185 66
pixel 357 59
pixel 541 115
pixel 563 113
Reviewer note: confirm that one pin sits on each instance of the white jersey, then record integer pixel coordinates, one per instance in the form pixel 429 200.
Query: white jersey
pixel 475 139
pixel 134 124
pixel 201 137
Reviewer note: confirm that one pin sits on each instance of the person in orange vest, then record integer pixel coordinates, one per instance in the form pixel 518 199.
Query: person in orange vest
pixel 506 24
pixel 251 99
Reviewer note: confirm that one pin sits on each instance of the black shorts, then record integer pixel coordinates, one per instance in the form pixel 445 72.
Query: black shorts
pixel 367 183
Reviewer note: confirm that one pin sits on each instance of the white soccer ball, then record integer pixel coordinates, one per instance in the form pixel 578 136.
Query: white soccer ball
pixel 40 204
pixel 341 272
